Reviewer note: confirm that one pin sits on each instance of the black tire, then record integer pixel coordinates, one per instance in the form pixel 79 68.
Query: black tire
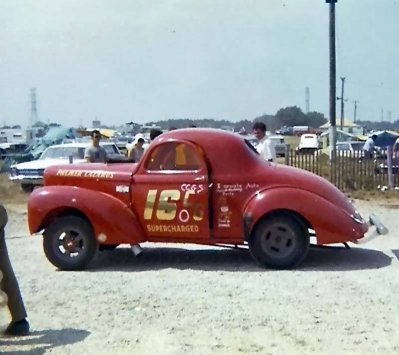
pixel 27 188
pixel 69 243
pixel 279 242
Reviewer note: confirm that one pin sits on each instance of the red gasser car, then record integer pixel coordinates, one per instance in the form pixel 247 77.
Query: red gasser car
pixel 194 185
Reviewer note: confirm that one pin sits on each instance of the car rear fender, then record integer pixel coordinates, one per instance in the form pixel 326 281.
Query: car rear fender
pixel 331 223
pixel 108 216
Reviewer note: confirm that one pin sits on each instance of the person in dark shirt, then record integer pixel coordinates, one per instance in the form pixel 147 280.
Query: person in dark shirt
pixel 9 285
pixel 154 133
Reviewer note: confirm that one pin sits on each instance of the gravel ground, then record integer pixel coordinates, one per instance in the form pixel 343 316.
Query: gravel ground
pixel 183 299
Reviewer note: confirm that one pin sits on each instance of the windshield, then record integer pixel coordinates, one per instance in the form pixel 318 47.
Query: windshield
pixel 63 153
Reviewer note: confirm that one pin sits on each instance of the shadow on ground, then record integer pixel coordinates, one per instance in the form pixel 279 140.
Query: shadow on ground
pixel 153 258
pixel 38 342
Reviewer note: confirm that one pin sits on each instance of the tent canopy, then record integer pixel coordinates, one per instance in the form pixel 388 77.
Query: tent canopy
pixel 385 138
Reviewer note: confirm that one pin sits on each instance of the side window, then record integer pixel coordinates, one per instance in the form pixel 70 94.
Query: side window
pixel 174 156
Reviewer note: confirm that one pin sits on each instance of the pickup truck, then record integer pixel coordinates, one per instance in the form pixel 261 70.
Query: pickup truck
pixel 195 185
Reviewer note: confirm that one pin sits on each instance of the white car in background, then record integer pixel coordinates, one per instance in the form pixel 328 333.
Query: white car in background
pixel 308 143
pixel 30 174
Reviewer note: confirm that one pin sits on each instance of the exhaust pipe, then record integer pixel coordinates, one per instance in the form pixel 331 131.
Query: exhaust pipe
pixel 136 249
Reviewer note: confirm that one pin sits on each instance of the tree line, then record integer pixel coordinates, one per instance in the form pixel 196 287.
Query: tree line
pixel 288 116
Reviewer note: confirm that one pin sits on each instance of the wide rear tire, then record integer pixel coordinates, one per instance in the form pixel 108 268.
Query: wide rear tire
pixel 279 242
pixel 69 243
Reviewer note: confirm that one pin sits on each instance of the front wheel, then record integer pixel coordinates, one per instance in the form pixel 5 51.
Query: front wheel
pixel 27 188
pixel 279 242
pixel 69 243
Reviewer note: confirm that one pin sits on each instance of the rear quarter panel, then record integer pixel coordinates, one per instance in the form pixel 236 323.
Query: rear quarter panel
pixel 332 224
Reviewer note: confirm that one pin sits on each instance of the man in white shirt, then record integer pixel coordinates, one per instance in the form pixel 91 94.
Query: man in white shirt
pixel 265 147
pixel 369 146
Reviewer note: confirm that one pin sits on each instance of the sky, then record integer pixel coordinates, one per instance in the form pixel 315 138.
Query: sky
pixel 141 61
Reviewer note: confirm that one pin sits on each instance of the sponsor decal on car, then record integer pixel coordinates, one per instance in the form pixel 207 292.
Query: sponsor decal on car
pixel 88 174
pixel 163 205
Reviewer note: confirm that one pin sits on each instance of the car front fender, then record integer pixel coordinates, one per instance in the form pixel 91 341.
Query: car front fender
pixel 331 223
pixel 109 216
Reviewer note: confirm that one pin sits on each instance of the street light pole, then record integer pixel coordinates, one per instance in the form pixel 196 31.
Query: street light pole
pixel 333 95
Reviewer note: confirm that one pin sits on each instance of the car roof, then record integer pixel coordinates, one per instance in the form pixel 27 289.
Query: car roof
pixel 219 146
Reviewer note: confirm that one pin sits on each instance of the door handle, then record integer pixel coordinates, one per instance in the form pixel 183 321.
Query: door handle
pixel 200 178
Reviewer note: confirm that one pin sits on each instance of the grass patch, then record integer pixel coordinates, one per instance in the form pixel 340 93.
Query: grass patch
pixel 10 192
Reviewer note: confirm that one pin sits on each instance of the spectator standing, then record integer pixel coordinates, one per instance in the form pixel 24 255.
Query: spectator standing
pixel 95 153
pixel 265 147
pixel 19 325
pixel 137 151
pixel 154 133
pixel 369 146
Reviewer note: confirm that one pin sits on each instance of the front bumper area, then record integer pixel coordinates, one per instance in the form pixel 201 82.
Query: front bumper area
pixel 24 179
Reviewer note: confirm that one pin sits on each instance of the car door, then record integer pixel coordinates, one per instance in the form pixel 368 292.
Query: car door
pixel 170 193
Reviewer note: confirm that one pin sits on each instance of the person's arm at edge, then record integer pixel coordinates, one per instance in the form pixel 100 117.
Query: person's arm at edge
pixel 87 155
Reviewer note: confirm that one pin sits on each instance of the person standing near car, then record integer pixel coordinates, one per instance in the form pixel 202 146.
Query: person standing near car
pixel 19 325
pixel 95 153
pixel 265 147
pixel 369 146
pixel 137 151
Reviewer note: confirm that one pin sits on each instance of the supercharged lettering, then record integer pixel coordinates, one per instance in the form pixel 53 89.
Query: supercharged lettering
pixel 190 228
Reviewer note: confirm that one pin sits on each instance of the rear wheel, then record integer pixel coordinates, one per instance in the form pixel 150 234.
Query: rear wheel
pixel 279 242
pixel 69 243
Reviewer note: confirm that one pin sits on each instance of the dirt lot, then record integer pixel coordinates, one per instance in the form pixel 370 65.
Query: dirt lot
pixel 190 300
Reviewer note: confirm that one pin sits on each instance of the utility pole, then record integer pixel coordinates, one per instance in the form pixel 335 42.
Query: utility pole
pixel 307 94
pixel 33 107
pixel 333 94
pixel 355 102
pixel 382 114
pixel 342 102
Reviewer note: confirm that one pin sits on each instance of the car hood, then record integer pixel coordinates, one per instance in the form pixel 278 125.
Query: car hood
pixel 80 174
pixel 287 176
pixel 44 163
